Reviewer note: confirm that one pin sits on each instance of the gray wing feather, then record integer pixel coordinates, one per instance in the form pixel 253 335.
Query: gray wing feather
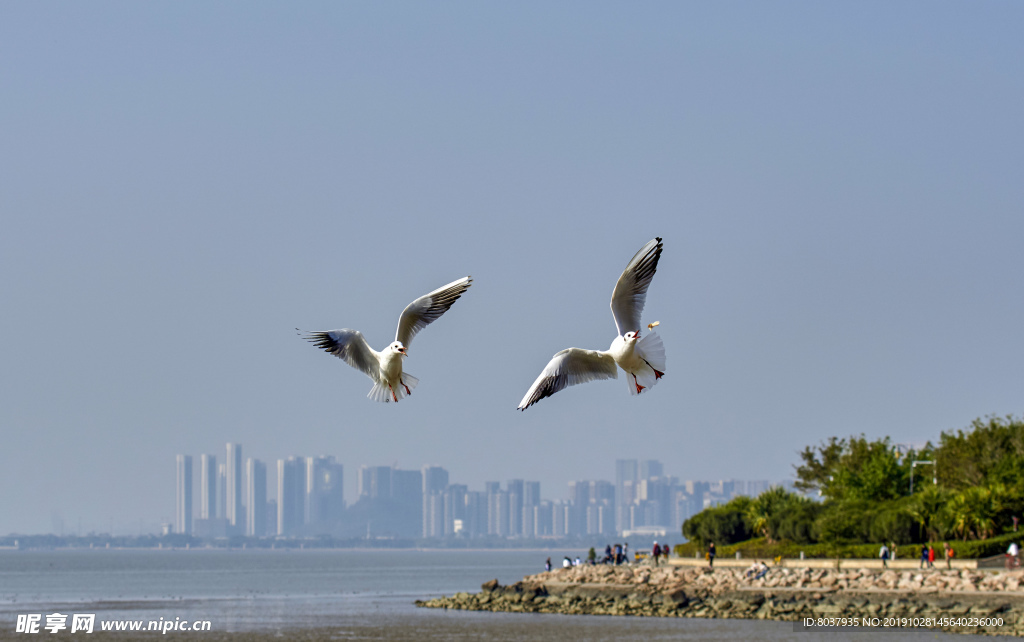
pixel 429 308
pixel 630 291
pixel 350 346
pixel 568 368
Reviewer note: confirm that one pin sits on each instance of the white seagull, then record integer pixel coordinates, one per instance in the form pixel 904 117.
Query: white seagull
pixel 642 359
pixel 384 368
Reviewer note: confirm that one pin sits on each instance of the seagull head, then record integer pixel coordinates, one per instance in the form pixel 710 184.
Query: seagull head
pixel 631 336
pixel 398 348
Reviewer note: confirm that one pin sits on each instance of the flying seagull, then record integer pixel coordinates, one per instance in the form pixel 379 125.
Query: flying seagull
pixel 643 360
pixel 384 368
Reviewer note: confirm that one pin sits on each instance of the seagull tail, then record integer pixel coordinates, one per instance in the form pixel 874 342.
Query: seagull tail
pixel 652 351
pixel 383 393
pixel 380 392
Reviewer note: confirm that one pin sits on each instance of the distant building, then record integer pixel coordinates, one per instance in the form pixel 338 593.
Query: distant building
pixel 627 472
pixel 233 473
pixel 515 488
pixel 374 482
pixel 651 468
pixel 255 498
pixel 183 495
pixel 207 486
pixel 455 509
pixel 475 516
pixel 531 500
pixel 291 495
pixel 543 516
pixel 435 480
pixel 498 513
pixel 324 500
pixel 222 492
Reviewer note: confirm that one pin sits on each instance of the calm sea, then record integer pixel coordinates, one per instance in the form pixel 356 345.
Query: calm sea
pixel 356 594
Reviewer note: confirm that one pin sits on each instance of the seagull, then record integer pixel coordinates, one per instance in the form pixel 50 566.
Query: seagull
pixel 643 360
pixel 384 368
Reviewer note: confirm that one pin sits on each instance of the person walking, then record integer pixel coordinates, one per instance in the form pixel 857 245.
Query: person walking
pixel 931 556
pixel 883 554
pixel 924 555
pixel 948 550
pixel 711 555
pixel 1011 556
pixel 655 552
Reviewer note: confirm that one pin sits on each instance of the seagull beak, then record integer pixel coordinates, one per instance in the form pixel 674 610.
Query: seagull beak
pixel 404 351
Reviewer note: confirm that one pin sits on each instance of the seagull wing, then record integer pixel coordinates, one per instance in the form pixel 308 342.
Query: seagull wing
pixel 568 368
pixel 350 346
pixel 429 308
pixel 631 290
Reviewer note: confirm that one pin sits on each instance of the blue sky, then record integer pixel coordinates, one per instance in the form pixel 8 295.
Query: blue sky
pixel 838 187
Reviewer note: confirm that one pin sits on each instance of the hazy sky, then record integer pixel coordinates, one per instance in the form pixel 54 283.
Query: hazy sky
pixel 839 187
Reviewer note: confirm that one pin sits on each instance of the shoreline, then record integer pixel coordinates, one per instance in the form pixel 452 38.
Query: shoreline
pixel 955 601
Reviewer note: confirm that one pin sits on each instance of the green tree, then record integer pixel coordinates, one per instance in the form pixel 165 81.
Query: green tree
pixel 929 509
pixel 990 452
pixel 856 469
pixel 725 524
pixel 765 513
pixel 973 512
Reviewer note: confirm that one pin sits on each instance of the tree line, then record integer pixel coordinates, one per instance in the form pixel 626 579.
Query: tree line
pixel 872 491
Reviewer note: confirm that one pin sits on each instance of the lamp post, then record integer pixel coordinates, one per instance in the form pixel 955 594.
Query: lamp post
pixel 912 466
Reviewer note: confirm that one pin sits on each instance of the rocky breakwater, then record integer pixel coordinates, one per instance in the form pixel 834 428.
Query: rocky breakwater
pixel 958 600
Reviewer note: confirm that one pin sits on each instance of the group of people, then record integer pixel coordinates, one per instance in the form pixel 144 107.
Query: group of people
pixel 617 554
pixel 757 570
pixel 927 555
pixel 613 554
pixel 659 551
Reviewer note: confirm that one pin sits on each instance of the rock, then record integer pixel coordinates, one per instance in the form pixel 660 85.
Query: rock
pixel 491 585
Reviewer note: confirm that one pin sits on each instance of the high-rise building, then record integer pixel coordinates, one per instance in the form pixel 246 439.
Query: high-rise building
pixel 543 514
pixel 531 499
pixel 756 487
pixel 497 513
pixel 183 495
pixel 515 507
pixel 455 509
pixel 435 480
pixel 325 501
pixel 433 515
pixel 406 485
pixel 626 473
pixel 233 473
pixel 222 492
pixel 651 468
pixel 255 497
pixel 207 486
pixel 375 482
pixel 475 523
pixel 291 495
pixel 560 517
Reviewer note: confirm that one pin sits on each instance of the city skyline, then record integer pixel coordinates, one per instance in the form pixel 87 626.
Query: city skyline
pixel 427 503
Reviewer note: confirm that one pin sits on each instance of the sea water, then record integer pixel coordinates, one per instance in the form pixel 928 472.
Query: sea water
pixel 356 594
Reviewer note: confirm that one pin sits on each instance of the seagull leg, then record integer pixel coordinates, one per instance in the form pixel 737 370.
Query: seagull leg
pixel 658 374
pixel 407 391
pixel 639 388
pixel 392 393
